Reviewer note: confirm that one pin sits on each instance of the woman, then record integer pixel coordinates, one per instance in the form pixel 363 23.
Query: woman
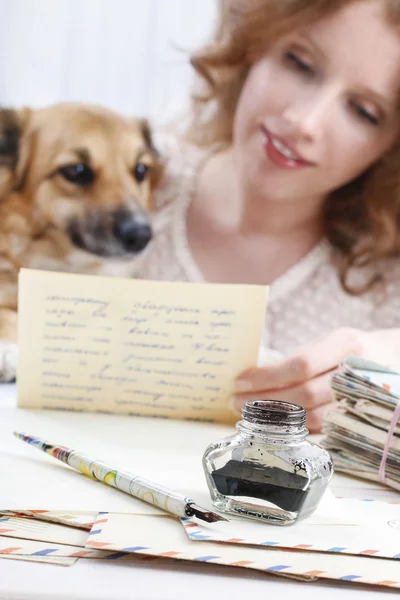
pixel 288 175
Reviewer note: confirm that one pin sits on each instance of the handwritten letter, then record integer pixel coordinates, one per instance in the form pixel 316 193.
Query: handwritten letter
pixel 163 349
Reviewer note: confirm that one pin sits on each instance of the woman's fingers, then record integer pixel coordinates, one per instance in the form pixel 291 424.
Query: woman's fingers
pixel 309 362
pixel 310 394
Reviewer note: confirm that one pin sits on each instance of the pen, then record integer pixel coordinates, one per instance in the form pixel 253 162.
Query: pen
pixel 143 489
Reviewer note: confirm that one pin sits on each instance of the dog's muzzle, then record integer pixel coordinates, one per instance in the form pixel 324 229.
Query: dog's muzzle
pixel 121 233
pixel 133 232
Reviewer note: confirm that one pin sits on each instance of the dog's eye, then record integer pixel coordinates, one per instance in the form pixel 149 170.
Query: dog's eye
pixel 80 174
pixel 140 172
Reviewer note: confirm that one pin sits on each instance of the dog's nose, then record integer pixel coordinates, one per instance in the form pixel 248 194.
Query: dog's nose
pixel 133 232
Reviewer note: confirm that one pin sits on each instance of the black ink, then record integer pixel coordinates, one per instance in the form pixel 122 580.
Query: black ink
pixel 59 338
pixel 152 346
pixel 175 384
pixel 99 304
pixel 210 363
pixel 79 351
pixel 210 348
pixel 284 489
pixel 148 331
pixel 86 388
pixel 68 398
pixel 185 323
pixel 162 359
pixel 66 324
pixel 165 308
pixel 59 311
pixel 215 348
pixel 56 374
pixel 137 320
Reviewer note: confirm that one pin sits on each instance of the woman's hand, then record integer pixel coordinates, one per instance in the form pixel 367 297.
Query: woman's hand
pixel 304 378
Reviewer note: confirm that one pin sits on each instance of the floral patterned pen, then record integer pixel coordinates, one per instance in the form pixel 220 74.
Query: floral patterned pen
pixel 136 486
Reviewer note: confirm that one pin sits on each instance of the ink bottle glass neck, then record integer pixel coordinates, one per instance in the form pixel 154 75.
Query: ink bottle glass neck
pixel 280 422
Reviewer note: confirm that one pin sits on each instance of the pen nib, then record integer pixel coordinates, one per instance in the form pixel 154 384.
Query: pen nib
pixel 201 513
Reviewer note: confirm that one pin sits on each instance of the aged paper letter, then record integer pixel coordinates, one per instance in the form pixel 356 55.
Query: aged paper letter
pixel 164 349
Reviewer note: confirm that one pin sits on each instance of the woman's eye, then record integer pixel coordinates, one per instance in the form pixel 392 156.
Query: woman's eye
pixel 365 114
pixel 299 64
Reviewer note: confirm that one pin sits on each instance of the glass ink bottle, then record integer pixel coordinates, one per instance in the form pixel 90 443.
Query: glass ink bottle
pixel 268 470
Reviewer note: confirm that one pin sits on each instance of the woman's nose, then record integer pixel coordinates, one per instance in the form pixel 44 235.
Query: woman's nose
pixel 306 118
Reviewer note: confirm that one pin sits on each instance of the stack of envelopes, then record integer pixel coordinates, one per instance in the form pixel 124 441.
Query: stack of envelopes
pixel 356 434
pixel 347 540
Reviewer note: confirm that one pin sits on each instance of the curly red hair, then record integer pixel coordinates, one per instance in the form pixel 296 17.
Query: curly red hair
pixel 362 219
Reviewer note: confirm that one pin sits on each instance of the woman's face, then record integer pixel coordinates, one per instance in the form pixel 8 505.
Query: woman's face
pixel 321 106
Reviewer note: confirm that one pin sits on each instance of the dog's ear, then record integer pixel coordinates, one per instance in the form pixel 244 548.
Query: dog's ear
pixel 10 131
pixel 12 126
pixel 157 168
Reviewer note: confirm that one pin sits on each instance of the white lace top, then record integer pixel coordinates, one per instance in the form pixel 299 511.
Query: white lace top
pixel 305 303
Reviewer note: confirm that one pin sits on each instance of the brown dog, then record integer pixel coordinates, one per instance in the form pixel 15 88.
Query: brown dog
pixel 76 185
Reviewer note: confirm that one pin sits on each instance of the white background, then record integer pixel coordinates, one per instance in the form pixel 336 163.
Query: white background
pixel 120 53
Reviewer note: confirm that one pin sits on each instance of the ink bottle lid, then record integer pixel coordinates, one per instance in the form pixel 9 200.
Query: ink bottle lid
pixel 268 470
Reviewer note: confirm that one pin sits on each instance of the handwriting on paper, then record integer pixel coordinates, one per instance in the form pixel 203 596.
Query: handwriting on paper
pixel 130 346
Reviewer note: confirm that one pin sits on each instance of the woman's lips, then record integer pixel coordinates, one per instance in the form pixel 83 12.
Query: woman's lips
pixel 281 153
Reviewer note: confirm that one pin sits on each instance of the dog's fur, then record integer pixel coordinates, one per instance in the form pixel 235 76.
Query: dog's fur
pixel 76 186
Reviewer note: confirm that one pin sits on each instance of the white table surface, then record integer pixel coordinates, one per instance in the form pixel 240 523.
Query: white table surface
pixel 175 446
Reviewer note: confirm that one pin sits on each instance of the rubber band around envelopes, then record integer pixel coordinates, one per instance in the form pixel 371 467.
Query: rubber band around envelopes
pixel 382 468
